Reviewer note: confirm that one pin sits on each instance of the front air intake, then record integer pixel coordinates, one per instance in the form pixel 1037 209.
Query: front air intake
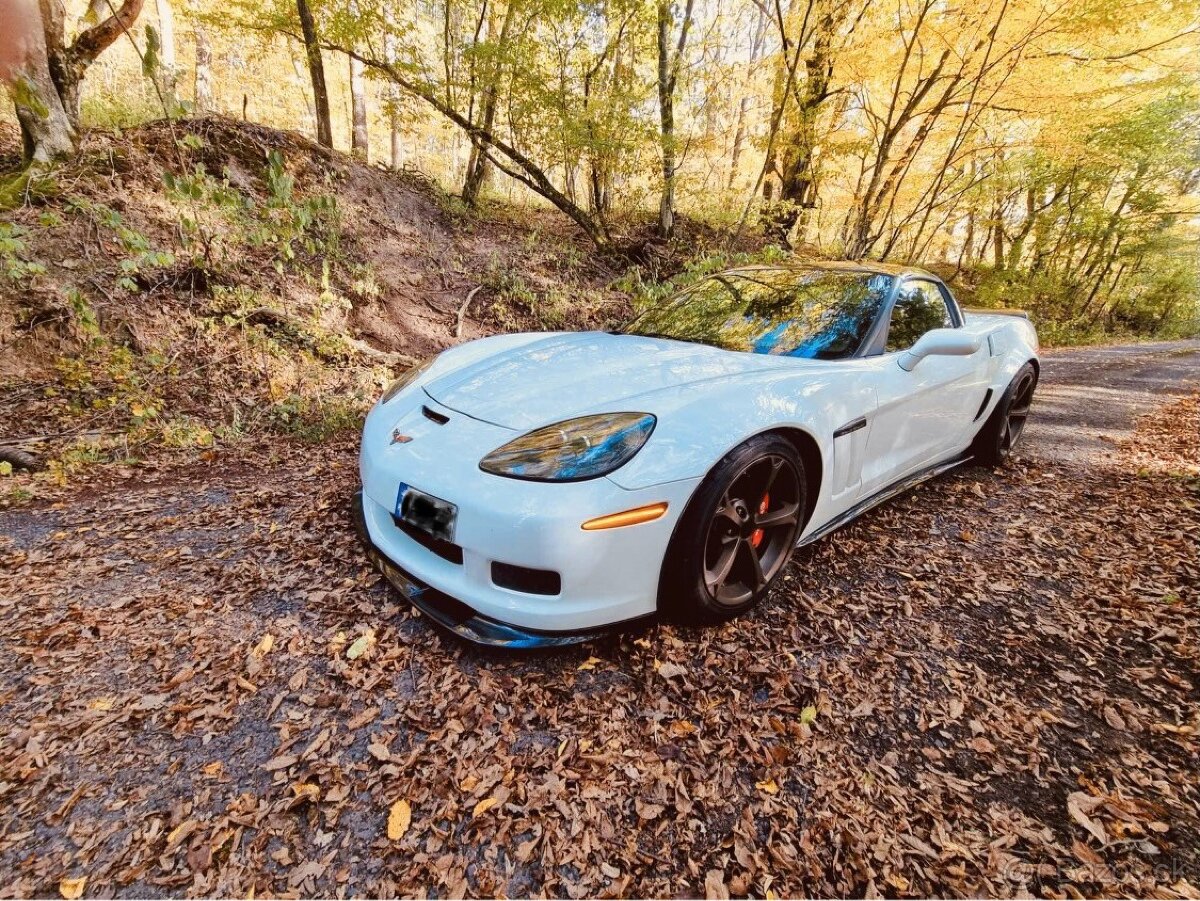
pixel 526 580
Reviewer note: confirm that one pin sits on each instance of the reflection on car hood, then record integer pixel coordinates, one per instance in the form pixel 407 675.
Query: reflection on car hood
pixel 569 375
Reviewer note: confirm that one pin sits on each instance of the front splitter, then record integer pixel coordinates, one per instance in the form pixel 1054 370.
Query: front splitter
pixel 453 614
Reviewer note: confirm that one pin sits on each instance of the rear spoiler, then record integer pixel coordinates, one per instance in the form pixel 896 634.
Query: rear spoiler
pixel 983 311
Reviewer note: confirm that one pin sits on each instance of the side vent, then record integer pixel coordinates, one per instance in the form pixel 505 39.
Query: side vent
pixel 435 416
pixel 987 399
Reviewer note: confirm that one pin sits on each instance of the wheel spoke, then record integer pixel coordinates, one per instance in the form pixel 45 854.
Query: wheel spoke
pixel 726 510
pixel 716 576
pixel 776 466
pixel 756 566
pixel 786 514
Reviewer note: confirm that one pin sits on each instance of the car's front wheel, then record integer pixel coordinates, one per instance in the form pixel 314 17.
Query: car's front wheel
pixel 737 534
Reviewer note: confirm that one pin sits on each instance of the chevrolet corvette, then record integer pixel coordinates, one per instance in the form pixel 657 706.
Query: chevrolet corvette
pixel 540 489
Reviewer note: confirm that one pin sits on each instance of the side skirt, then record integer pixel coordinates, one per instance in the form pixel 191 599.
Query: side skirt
pixel 886 494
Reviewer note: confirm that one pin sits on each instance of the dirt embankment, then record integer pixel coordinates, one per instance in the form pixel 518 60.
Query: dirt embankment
pixel 197 282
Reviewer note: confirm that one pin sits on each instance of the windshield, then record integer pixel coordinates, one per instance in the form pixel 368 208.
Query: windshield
pixel 812 313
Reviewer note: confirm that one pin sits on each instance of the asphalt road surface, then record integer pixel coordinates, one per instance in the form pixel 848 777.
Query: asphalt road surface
pixel 1088 398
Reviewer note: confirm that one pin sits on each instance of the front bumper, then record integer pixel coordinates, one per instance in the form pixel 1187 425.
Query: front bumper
pixel 606 577
pixel 455 615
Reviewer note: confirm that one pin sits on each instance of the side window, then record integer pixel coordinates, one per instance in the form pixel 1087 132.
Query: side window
pixel 919 308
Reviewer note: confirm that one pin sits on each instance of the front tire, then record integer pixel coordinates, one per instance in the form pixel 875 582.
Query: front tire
pixel 737 533
pixel 995 442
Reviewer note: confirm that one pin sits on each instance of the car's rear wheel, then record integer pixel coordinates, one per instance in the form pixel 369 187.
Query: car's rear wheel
pixel 1003 430
pixel 737 534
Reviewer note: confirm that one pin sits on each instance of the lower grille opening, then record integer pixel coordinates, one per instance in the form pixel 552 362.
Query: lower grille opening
pixel 439 546
pixel 524 579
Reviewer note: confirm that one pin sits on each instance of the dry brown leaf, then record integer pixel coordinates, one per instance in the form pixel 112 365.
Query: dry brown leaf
pixel 1114 719
pixel 72 889
pixel 1079 805
pixel 714 886
pixel 483 806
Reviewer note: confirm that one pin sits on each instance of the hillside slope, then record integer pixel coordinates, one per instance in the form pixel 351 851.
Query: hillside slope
pixel 197 283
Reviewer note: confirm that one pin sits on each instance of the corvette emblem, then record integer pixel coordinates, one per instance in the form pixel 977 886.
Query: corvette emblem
pixel 399 438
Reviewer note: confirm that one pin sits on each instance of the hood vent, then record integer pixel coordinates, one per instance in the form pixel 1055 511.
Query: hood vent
pixel 435 416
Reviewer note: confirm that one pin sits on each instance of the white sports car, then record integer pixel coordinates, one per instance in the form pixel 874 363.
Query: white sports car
pixel 536 489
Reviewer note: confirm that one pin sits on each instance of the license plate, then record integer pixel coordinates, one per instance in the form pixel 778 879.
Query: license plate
pixel 430 514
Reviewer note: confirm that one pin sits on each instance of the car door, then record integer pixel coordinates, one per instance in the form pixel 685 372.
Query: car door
pixel 923 415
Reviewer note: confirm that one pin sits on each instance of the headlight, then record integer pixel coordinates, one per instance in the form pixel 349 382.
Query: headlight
pixel 570 451
pixel 407 379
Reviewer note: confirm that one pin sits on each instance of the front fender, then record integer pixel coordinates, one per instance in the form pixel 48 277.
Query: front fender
pixel 699 425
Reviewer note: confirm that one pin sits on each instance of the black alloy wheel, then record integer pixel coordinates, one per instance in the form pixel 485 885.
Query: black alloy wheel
pixel 737 534
pixel 753 530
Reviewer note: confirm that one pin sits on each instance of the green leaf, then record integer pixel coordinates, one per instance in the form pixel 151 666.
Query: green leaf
pixel 808 715
pixel 150 57
pixel 359 647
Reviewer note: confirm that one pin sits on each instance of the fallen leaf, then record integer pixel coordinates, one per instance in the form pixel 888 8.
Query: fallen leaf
pixel 646 810
pixel 399 819
pixel 770 786
pixel 72 889
pixel 1079 805
pixel 358 647
pixel 714 886
pixel 483 806
pixel 670 670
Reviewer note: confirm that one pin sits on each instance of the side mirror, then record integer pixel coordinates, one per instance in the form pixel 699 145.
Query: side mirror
pixel 948 342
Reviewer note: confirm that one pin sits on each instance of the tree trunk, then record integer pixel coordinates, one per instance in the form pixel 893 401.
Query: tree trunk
pixel 45 82
pixel 166 54
pixel 478 165
pixel 202 88
pixel 393 100
pixel 797 177
pixel 48 131
pixel 358 102
pixel 316 71
pixel 669 62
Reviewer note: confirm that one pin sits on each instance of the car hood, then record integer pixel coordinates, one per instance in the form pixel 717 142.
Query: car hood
pixel 565 375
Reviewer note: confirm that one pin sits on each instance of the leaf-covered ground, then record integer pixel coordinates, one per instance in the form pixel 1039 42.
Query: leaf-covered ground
pixel 990 686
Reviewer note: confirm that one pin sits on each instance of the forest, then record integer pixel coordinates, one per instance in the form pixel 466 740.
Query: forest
pixel 1043 155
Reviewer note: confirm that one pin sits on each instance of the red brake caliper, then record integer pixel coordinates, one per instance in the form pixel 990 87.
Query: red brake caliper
pixel 756 536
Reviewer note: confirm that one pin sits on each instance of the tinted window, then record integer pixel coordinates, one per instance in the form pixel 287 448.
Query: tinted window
pixel 818 314
pixel 919 308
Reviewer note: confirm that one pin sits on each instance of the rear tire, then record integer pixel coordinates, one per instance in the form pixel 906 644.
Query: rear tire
pixel 737 534
pixel 1003 430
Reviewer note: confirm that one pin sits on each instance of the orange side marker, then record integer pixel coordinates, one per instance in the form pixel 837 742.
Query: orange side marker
pixel 626 517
